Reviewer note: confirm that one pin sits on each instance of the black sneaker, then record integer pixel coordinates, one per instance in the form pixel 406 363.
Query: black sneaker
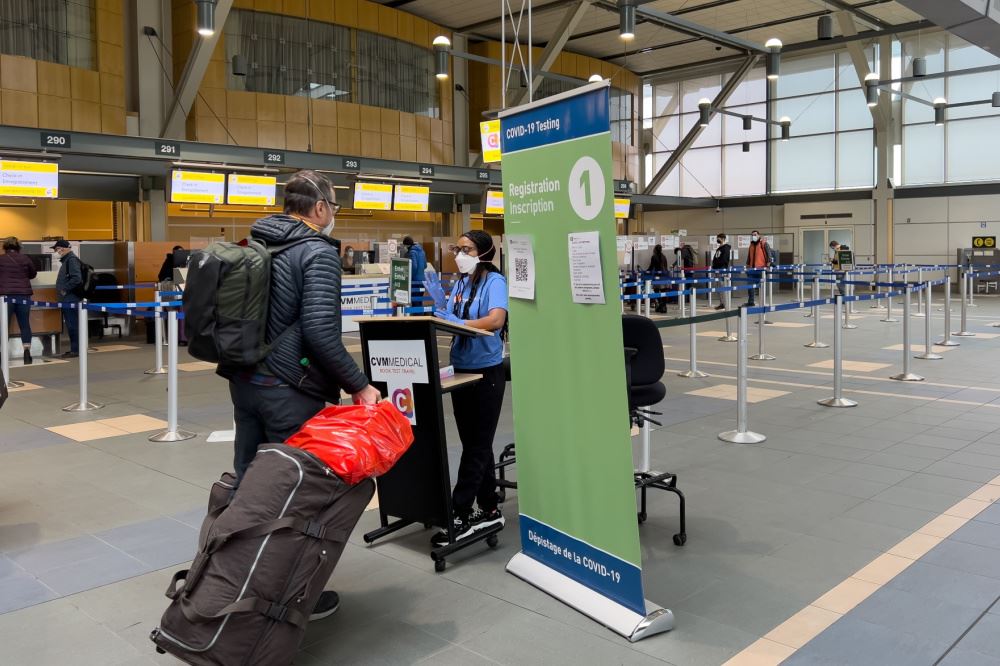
pixel 720 306
pixel 483 519
pixel 70 355
pixel 27 357
pixel 461 526
pixel 329 602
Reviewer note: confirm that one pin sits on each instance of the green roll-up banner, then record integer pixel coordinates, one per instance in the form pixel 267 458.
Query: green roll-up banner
pixel 576 494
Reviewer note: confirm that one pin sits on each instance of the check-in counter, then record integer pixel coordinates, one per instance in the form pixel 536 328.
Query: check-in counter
pixel 362 296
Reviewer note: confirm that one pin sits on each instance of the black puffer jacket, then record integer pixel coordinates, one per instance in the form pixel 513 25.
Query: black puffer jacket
pixel 305 290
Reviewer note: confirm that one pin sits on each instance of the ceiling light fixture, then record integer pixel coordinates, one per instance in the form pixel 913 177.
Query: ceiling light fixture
pixel 239 65
pixel 871 89
pixel 746 146
pixel 824 27
pixel 940 104
pixel 441 46
pixel 773 47
pixel 595 78
pixel 919 67
pixel 206 17
pixel 626 15
pixel 747 122
pixel 704 111
pixel 996 100
pixel 786 127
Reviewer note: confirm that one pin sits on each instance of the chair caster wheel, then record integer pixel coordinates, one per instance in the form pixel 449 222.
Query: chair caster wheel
pixel 680 539
pixel 160 650
pixel 642 517
pixel 492 541
pixel 439 565
pixel 427 526
pixel 501 495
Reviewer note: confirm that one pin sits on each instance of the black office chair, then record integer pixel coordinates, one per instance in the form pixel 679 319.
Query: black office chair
pixel 644 368
pixel 506 456
pixel 98 322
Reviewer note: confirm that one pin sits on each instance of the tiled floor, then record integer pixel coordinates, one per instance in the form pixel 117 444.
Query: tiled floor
pixel 796 546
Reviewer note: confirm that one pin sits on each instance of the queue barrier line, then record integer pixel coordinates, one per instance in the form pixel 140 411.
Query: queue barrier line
pixel 700 319
pixel 118 287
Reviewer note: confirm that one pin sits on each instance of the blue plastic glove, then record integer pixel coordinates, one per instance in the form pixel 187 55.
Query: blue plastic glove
pixel 432 283
pixel 441 313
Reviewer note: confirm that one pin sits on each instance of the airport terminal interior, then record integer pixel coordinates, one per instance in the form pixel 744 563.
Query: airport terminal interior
pixel 785 213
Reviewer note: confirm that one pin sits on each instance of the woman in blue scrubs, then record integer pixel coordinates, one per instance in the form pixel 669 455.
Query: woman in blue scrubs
pixel 478 299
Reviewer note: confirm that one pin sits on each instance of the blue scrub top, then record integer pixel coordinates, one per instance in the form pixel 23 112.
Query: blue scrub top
pixel 479 352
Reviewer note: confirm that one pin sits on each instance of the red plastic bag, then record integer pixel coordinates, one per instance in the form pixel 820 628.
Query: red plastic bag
pixel 357 441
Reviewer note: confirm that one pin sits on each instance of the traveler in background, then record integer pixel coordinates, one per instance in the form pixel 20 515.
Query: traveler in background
pixel 658 264
pixel 347 263
pixel 309 366
pixel 479 300
pixel 835 247
pixel 176 258
pixel 418 260
pixel 16 273
pixel 758 257
pixel 722 259
pixel 685 257
pixel 69 288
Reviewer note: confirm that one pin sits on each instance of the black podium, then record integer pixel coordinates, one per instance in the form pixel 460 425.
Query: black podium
pixel 401 360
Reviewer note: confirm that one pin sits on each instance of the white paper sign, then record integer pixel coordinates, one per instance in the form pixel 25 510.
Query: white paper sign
pixel 621 241
pixel 400 364
pixel 521 281
pixel 585 267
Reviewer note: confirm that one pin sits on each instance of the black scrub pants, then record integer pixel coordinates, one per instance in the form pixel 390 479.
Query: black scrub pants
pixel 477 410
pixel 266 415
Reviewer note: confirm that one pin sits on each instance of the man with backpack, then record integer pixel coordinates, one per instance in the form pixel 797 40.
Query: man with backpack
pixel 287 276
pixel 70 289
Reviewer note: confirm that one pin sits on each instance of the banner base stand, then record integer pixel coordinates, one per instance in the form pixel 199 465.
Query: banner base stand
pixel 222 436
pixel 599 608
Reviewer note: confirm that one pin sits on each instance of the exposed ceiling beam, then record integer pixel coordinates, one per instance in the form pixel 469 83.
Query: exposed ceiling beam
pixel 859 14
pixel 398 3
pixel 720 99
pixel 639 20
pixel 555 46
pixel 535 11
pixel 685 26
pixel 881 114
pixel 194 72
pixel 728 61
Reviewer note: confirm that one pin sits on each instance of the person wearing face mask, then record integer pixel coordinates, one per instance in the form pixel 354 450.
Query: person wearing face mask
pixel 308 366
pixel 478 299
pixel 758 258
pixel 722 259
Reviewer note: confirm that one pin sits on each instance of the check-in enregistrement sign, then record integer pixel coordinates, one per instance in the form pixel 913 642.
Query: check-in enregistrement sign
pixel 245 190
pixel 197 187
pixel 29 179
pixel 373 196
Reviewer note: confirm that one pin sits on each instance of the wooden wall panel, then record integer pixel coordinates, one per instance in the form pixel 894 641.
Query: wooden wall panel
pixel 85 84
pixel 296 136
pixel 86 116
pixel 324 139
pixel 367 16
pixel 17 73
pixel 371 118
pixel 241 105
pixel 112 119
pixel 19 108
pixel 349 141
pixel 54 112
pixel 53 79
pixel 112 89
pixel 371 144
pixel 348 115
pixel 270 134
pixel 296 109
pixel 324 112
pixel 270 107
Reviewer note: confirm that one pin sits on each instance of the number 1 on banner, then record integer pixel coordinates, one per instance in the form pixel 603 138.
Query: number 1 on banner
pixel 586 184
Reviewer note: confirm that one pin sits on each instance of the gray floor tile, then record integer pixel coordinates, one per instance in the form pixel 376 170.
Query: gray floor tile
pixel 160 542
pixel 457 656
pixel 918 614
pixel 968 557
pixel 872 472
pixel 20 589
pixel 752 605
pixel 396 641
pixel 917 499
pixel 853 641
pixel 899 461
pixel 892 515
pixel 980 533
pixel 960 656
pixel 990 514
pixel 983 637
pixel 957 471
pixel 949 585
pixel 40 559
pixel 90 573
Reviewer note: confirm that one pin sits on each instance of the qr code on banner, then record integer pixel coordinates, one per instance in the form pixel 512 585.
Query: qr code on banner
pixel 520 270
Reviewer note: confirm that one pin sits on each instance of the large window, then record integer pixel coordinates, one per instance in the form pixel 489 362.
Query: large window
pixel 964 149
pixel 620 111
pixel 60 31
pixel 293 56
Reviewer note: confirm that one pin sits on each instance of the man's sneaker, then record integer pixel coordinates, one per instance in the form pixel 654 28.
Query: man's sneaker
pixel 720 306
pixel 460 525
pixel 27 357
pixel 327 605
pixel 70 355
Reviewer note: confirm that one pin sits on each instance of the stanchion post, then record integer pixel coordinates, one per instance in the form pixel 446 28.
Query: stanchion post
pixel 972 289
pixel 680 299
pixel 728 298
pixel 760 355
pixel 816 344
pixel 5 350
pixel 946 341
pixel 875 301
pixel 157 369
pixel 888 303
pixel 906 375
pixel 693 371
pixel 708 287
pixel 171 434
pixel 838 399
pixel 920 294
pixel 83 334
pixel 647 287
pixel 964 333
pixel 800 282
pixel 765 295
pixel 847 310
pixel 928 353
pixel 742 434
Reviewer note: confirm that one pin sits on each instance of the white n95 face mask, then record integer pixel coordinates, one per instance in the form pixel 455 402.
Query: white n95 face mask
pixel 328 229
pixel 466 264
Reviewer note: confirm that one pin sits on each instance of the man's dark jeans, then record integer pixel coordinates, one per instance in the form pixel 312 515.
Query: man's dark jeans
pixel 266 415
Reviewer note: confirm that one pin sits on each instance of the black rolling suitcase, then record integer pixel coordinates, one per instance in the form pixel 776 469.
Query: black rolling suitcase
pixel 263 559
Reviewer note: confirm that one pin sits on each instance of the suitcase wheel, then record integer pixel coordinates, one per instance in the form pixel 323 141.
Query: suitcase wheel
pixel 439 565
pixel 160 650
pixel 492 541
